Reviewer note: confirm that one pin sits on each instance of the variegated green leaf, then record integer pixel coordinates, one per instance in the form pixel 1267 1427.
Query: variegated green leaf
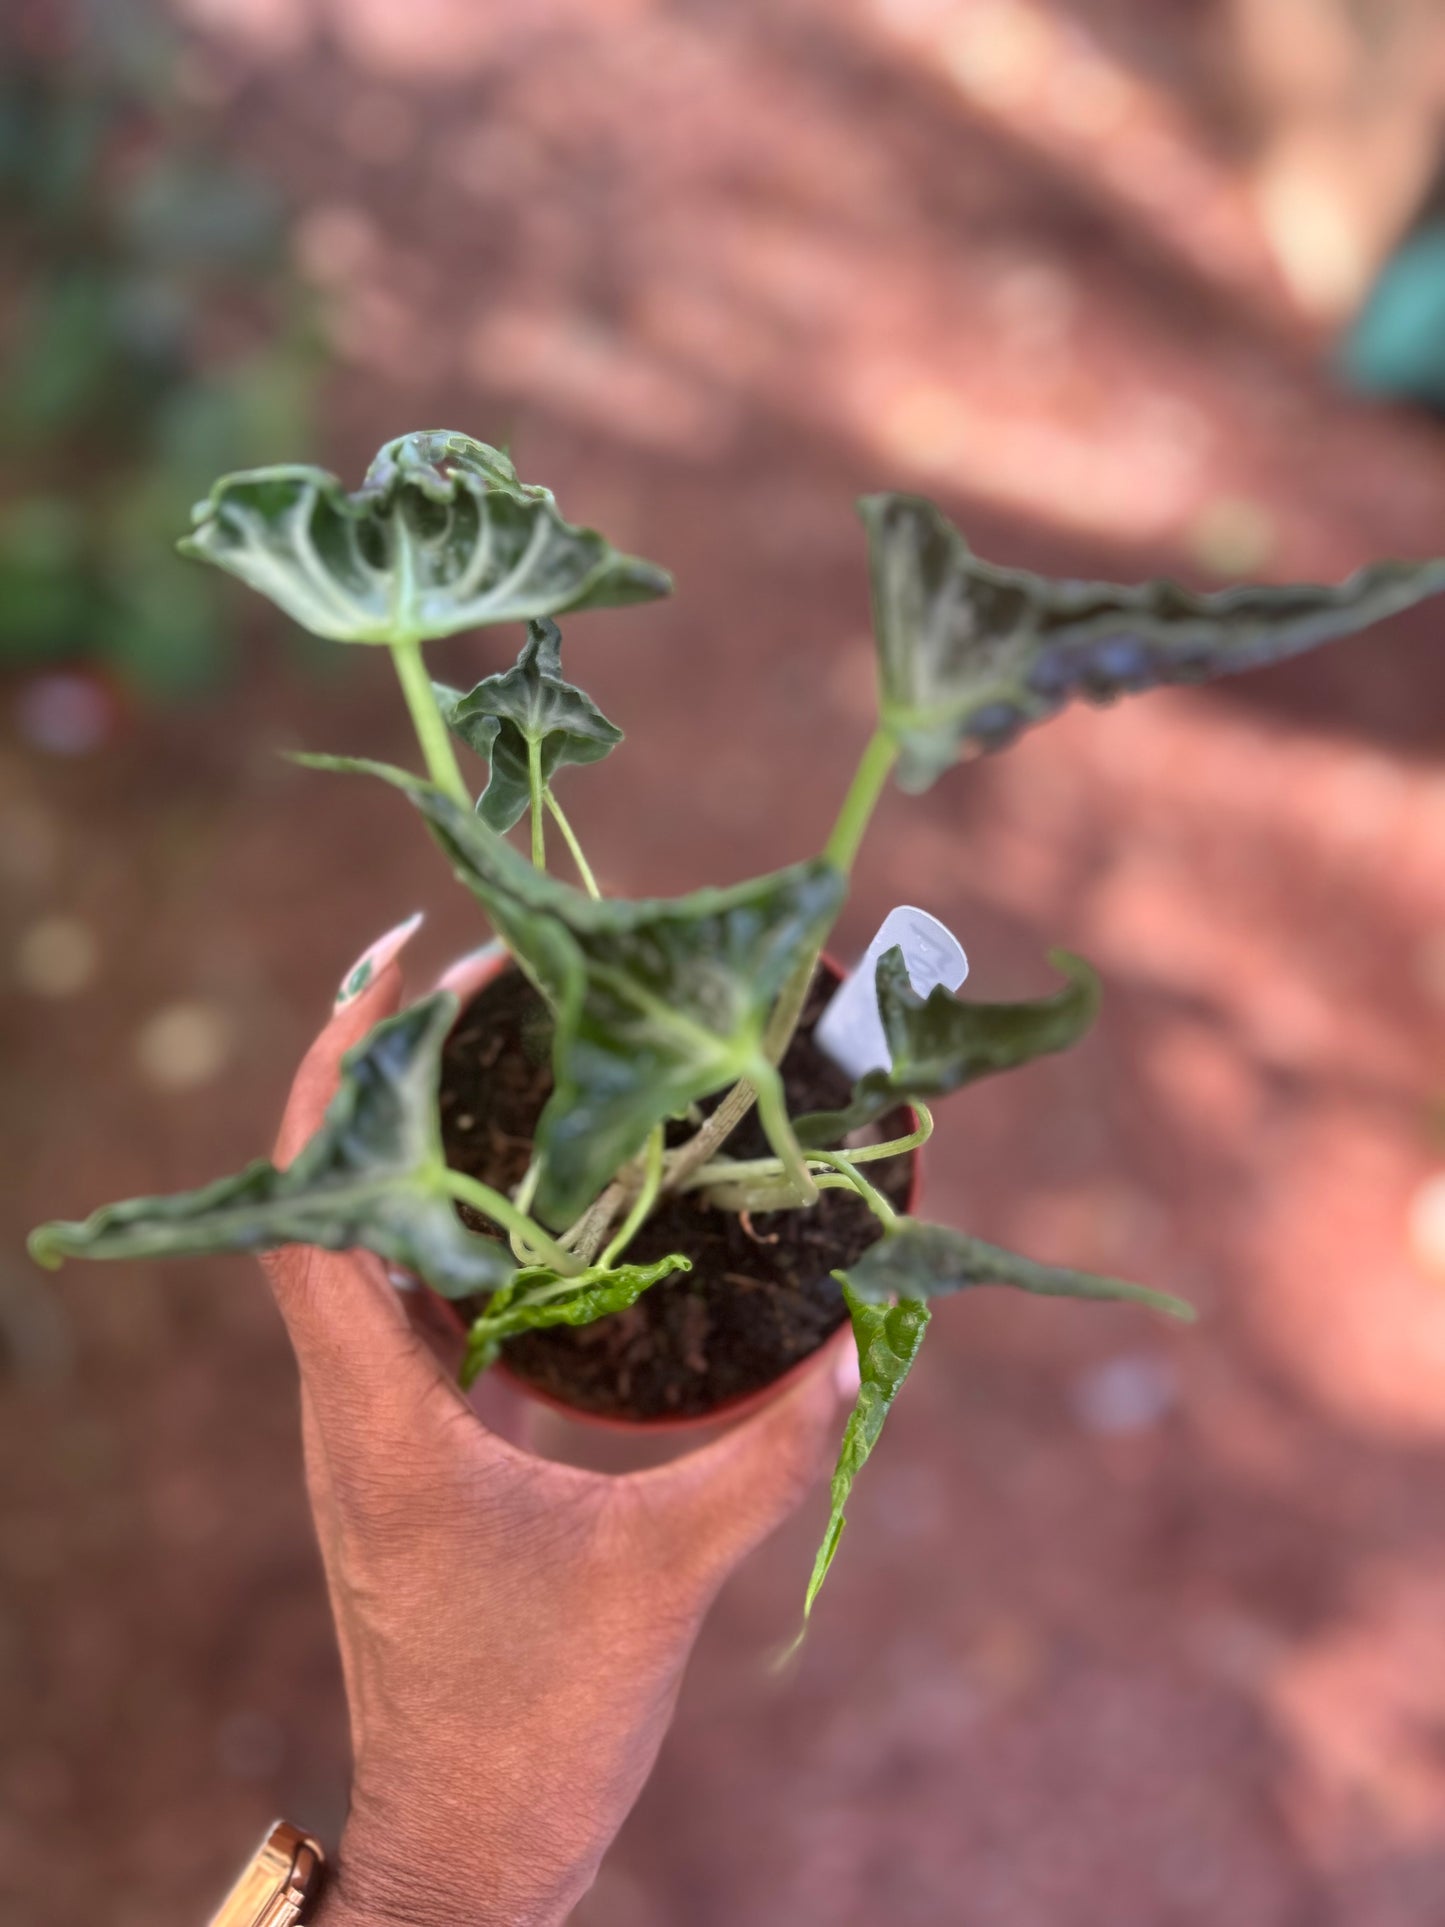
pixel 942 1042
pixel 657 1003
pixel 441 536
pixel 531 702
pixel 888 1340
pixel 970 653
pixel 538 1298
pixel 916 1260
pixel 373 1177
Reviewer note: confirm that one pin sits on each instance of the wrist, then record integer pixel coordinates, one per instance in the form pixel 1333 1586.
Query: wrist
pixel 352 1900
pixel 399 1875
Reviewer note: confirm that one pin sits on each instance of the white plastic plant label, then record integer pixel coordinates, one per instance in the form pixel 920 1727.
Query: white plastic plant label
pixel 851 1030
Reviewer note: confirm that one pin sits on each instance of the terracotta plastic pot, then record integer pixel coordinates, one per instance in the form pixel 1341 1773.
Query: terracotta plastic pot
pixel 466 978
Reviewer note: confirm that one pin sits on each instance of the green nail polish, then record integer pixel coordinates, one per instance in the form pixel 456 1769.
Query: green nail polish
pixel 356 982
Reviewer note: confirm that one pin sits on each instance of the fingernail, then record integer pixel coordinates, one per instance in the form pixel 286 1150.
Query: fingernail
pixel 846 1375
pixel 370 964
pixel 463 974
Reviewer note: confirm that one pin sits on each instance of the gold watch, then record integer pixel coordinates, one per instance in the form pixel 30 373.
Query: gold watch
pixel 280 1884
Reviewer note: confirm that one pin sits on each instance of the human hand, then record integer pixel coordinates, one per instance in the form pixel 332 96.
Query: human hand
pixel 513 1632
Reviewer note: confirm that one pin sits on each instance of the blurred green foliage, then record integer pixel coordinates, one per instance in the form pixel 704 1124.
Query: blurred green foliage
pixel 150 336
pixel 1396 348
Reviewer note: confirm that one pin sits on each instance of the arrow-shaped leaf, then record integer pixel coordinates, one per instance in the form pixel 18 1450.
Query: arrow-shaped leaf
pixel 888 1338
pixel 373 1177
pixel 540 1298
pixel 941 1042
pixel 441 536
pixel 530 703
pixel 658 1002
pixel 917 1260
pixel 970 654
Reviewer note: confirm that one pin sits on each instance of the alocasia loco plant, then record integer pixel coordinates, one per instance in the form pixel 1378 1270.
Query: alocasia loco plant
pixel 650 1009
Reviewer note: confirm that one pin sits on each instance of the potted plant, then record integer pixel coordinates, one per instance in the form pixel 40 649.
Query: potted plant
pixel 626 1159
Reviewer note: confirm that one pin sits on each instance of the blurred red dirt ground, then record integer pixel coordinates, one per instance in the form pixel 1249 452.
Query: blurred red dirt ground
pixel 1131 1627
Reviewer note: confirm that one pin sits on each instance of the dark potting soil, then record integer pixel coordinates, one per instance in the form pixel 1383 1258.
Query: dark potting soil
pixel 759 1297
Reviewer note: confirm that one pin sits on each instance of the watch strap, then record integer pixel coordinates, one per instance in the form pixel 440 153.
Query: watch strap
pixel 279 1885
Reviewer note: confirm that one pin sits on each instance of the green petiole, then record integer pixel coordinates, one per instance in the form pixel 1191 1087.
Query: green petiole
pixel 431 730
pixel 870 1194
pixel 569 837
pixel 773 1115
pixel 641 1204
pixel 492 1204
pixel 538 789
pixel 877 761
pixel 862 799
pixel 741 1170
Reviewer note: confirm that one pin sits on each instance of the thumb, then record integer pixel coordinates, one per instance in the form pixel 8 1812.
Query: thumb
pixel 716 1505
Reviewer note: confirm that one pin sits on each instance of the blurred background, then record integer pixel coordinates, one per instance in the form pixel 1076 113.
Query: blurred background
pixel 1133 1627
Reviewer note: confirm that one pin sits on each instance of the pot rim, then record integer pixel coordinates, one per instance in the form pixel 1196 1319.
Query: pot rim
pixel 489 964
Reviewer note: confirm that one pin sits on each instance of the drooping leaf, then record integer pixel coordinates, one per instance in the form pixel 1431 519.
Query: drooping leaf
pixel 888 1338
pixel 917 1260
pixel 590 1295
pixel 657 1003
pixel 942 1042
pixel 970 654
pixel 441 536
pixel 532 911
pixel 371 1177
pixel 530 703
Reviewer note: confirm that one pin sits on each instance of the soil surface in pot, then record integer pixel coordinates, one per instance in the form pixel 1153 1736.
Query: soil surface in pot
pixel 759 1297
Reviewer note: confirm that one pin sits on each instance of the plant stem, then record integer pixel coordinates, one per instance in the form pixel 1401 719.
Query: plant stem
pixel 894 1147
pixel 522 1198
pixel 492 1204
pixel 740 1099
pixel 641 1204
pixel 773 1115
pixel 743 1170
pixel 858 805
pixel 716 1129
pixel 871 1196
pixel 431 730
pixel 569 837
pixel 539 825
pixel 861 801
pixel 732 1171
pixel 584 1239
pixel 777 1195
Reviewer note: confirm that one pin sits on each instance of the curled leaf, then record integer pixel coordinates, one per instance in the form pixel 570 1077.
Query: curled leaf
pixel 942 1042
pixel 918 1260
pixel 441 536
pixel 529 703
pixel 889 1338
pixel 971 654
pixel 540 1298
pixel 372 1177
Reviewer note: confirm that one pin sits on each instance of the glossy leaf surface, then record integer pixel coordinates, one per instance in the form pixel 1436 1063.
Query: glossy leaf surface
pixel 971 654
pixel 888 1338
pixel 532 702
pixel 917 1260
pixel 441 536
pixel 371 1177
pixel 942 1042
pixel 589 1296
